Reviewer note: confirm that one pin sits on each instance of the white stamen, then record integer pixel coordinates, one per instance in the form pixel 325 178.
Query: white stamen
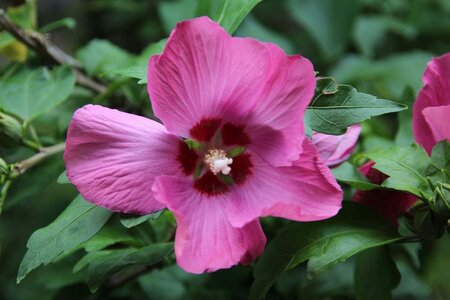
pixel 218 162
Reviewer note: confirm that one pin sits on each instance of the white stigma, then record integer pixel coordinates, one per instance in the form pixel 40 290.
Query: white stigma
pixel 218 162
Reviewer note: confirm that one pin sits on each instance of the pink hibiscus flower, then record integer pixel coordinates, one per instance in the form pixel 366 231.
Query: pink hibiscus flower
pixel 226 94
pixel 432 107
pixel 391 204
pixel 334 149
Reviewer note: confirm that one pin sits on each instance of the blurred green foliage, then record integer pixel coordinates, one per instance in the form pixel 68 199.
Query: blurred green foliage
pixel 381 47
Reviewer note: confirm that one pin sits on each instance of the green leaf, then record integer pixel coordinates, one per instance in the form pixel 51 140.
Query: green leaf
pixel 406 168
pixel 109 236
pixel 350 175
pixel 69 23
pixel 386 78
pixel 233 12
pixel 404 136
pixel 370 32
pixel 133 220
pixel 440 155
pixel 332 113
pixel 62 179
pixel 102 264
pixel 172 12
pixel 326 85
pixel 324 243
pixel 376 274
pixel 77 223
pixel 101 56
pixel 252 27
pixel 329 22
pixel 30 93
pixel 140 71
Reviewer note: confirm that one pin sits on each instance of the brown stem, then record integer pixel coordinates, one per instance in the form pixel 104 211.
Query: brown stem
pixel 43 153
pixel 46 49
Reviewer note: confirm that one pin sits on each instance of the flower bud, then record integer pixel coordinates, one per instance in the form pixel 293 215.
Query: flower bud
pixel 10 131
pixel 428 225
pixel 442 199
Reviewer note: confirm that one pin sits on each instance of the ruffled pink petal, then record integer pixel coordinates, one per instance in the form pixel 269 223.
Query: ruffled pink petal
pixel 205 240
pixel 113 158
pixel 334 149
pixel 390 204
pixel 275 125
pixel 305 191
pixel 435 92
pixel 437 118
pixel 205 73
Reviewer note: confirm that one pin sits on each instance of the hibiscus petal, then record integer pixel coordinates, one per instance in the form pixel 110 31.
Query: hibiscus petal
pixel 205 73
pixel 113 158
pixel 205 241
pixel 334 149
pixel 305 191
pixel 437 119
pixel 278 113
pixel 436 92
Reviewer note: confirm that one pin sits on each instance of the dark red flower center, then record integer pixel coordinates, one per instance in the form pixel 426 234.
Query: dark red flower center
pixel 209 159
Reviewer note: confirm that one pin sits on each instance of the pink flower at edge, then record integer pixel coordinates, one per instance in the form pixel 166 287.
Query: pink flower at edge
pixel 431 110
pixel 334 149
pixel 223 92
pixel 389 203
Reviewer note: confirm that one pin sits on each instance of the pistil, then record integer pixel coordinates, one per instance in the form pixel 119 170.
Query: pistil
pixel 218 162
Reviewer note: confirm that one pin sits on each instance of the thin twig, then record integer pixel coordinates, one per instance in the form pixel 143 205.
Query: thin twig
pixel 46 49
pixel 43 153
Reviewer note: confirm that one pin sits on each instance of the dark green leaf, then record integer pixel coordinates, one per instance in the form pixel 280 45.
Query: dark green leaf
pixel 77 223
pixel 133 220
pixel 252 27
pixel 326 85
pixel 376 274
pixel 407 168
pixel 103 264
pixel 332 113
pixel 233 12
pixel 324 243
pixel 329 22
pixel 30 93
pixel 109 236
pixel 370 32
pixel 349 174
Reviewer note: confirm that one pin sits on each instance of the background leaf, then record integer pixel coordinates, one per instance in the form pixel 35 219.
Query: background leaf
pixel 76 224
pixel 376 274
pixel 323 243
pixel 233 12
pixel 329 22
pixel 30 93
pixel 103 264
